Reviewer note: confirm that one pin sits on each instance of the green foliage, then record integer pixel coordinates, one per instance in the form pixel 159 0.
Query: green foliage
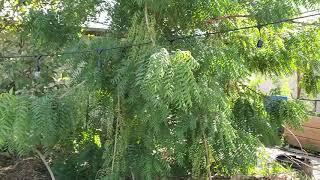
pixel 267 168
pixel 306 58
pixel 31 27
pixel 291 113
pixel 61 124
pixel 83 163
pixel 178 108
pixel 170 79
pixel 41 122
pixel 251 117
pixel 15 124
pixel 49 29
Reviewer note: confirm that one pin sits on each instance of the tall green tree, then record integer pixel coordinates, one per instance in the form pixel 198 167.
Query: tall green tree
pixel 174 106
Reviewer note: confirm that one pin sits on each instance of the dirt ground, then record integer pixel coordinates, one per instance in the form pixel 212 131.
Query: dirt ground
pixel 33 169
pixel 315 159
pixel 22 169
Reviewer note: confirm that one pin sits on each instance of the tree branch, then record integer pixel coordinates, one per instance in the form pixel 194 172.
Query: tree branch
pixel 219 18
pixel 147 22
pixel 45 163
pixel 116 134
pixel 207 155
pixel 252 90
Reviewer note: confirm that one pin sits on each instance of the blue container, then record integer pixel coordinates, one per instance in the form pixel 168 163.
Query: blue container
pixel 272 102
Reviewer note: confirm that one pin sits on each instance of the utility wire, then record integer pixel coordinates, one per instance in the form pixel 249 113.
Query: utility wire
pixel 310 11
pixel 73 52
pixel 171 40
pixel 251 27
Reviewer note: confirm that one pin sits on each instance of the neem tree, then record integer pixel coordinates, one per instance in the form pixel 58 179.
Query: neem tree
pixel 175 106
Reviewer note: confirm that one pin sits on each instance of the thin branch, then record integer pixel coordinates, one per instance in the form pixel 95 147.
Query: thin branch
pixel 207 155
pixel 116 133
pixel 306 154
pixel 233 17
pixel 147 22
pixel 297 161
pixel 299 76
pixel 66 93
pixel 132 174
pixel 252 90
pixel 45 163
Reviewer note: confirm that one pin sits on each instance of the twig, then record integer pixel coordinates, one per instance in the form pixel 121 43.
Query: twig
pixel 297 161
pixel 66 93
pixel 116 133
pixel 132 174
pixel 207 155
pixel 213 20
pixel 299 76
pixel 45 163
pixel 147 22
pixel 299 153
pixel 252 90
pixel 306 154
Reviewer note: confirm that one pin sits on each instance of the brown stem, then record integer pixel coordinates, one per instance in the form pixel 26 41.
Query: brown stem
pixel 147 22
pixel 45 163
pixel 207 155
pixel 298 84
pixel 304 151
pixel 116 133
pixel 132 174
pixel 68 92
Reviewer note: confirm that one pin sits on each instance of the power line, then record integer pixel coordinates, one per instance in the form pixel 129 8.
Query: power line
pixel 310 11
pixel 255 26
pixel 74 52
pixel 171 40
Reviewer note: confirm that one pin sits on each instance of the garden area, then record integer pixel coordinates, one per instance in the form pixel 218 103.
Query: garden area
pixel 158 89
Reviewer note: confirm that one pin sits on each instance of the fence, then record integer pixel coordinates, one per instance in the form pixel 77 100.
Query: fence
pixel 309 137
pixel 314 104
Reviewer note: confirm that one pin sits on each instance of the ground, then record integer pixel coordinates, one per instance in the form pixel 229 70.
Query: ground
pixel 22 169
pixel 315 160
pixel 33 169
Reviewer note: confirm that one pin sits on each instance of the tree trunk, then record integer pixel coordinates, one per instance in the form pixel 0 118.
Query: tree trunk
pixel 298 84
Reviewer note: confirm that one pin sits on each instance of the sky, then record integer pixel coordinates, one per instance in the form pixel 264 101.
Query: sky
pixel 105 22
pixel 310 19
pixel 102 20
